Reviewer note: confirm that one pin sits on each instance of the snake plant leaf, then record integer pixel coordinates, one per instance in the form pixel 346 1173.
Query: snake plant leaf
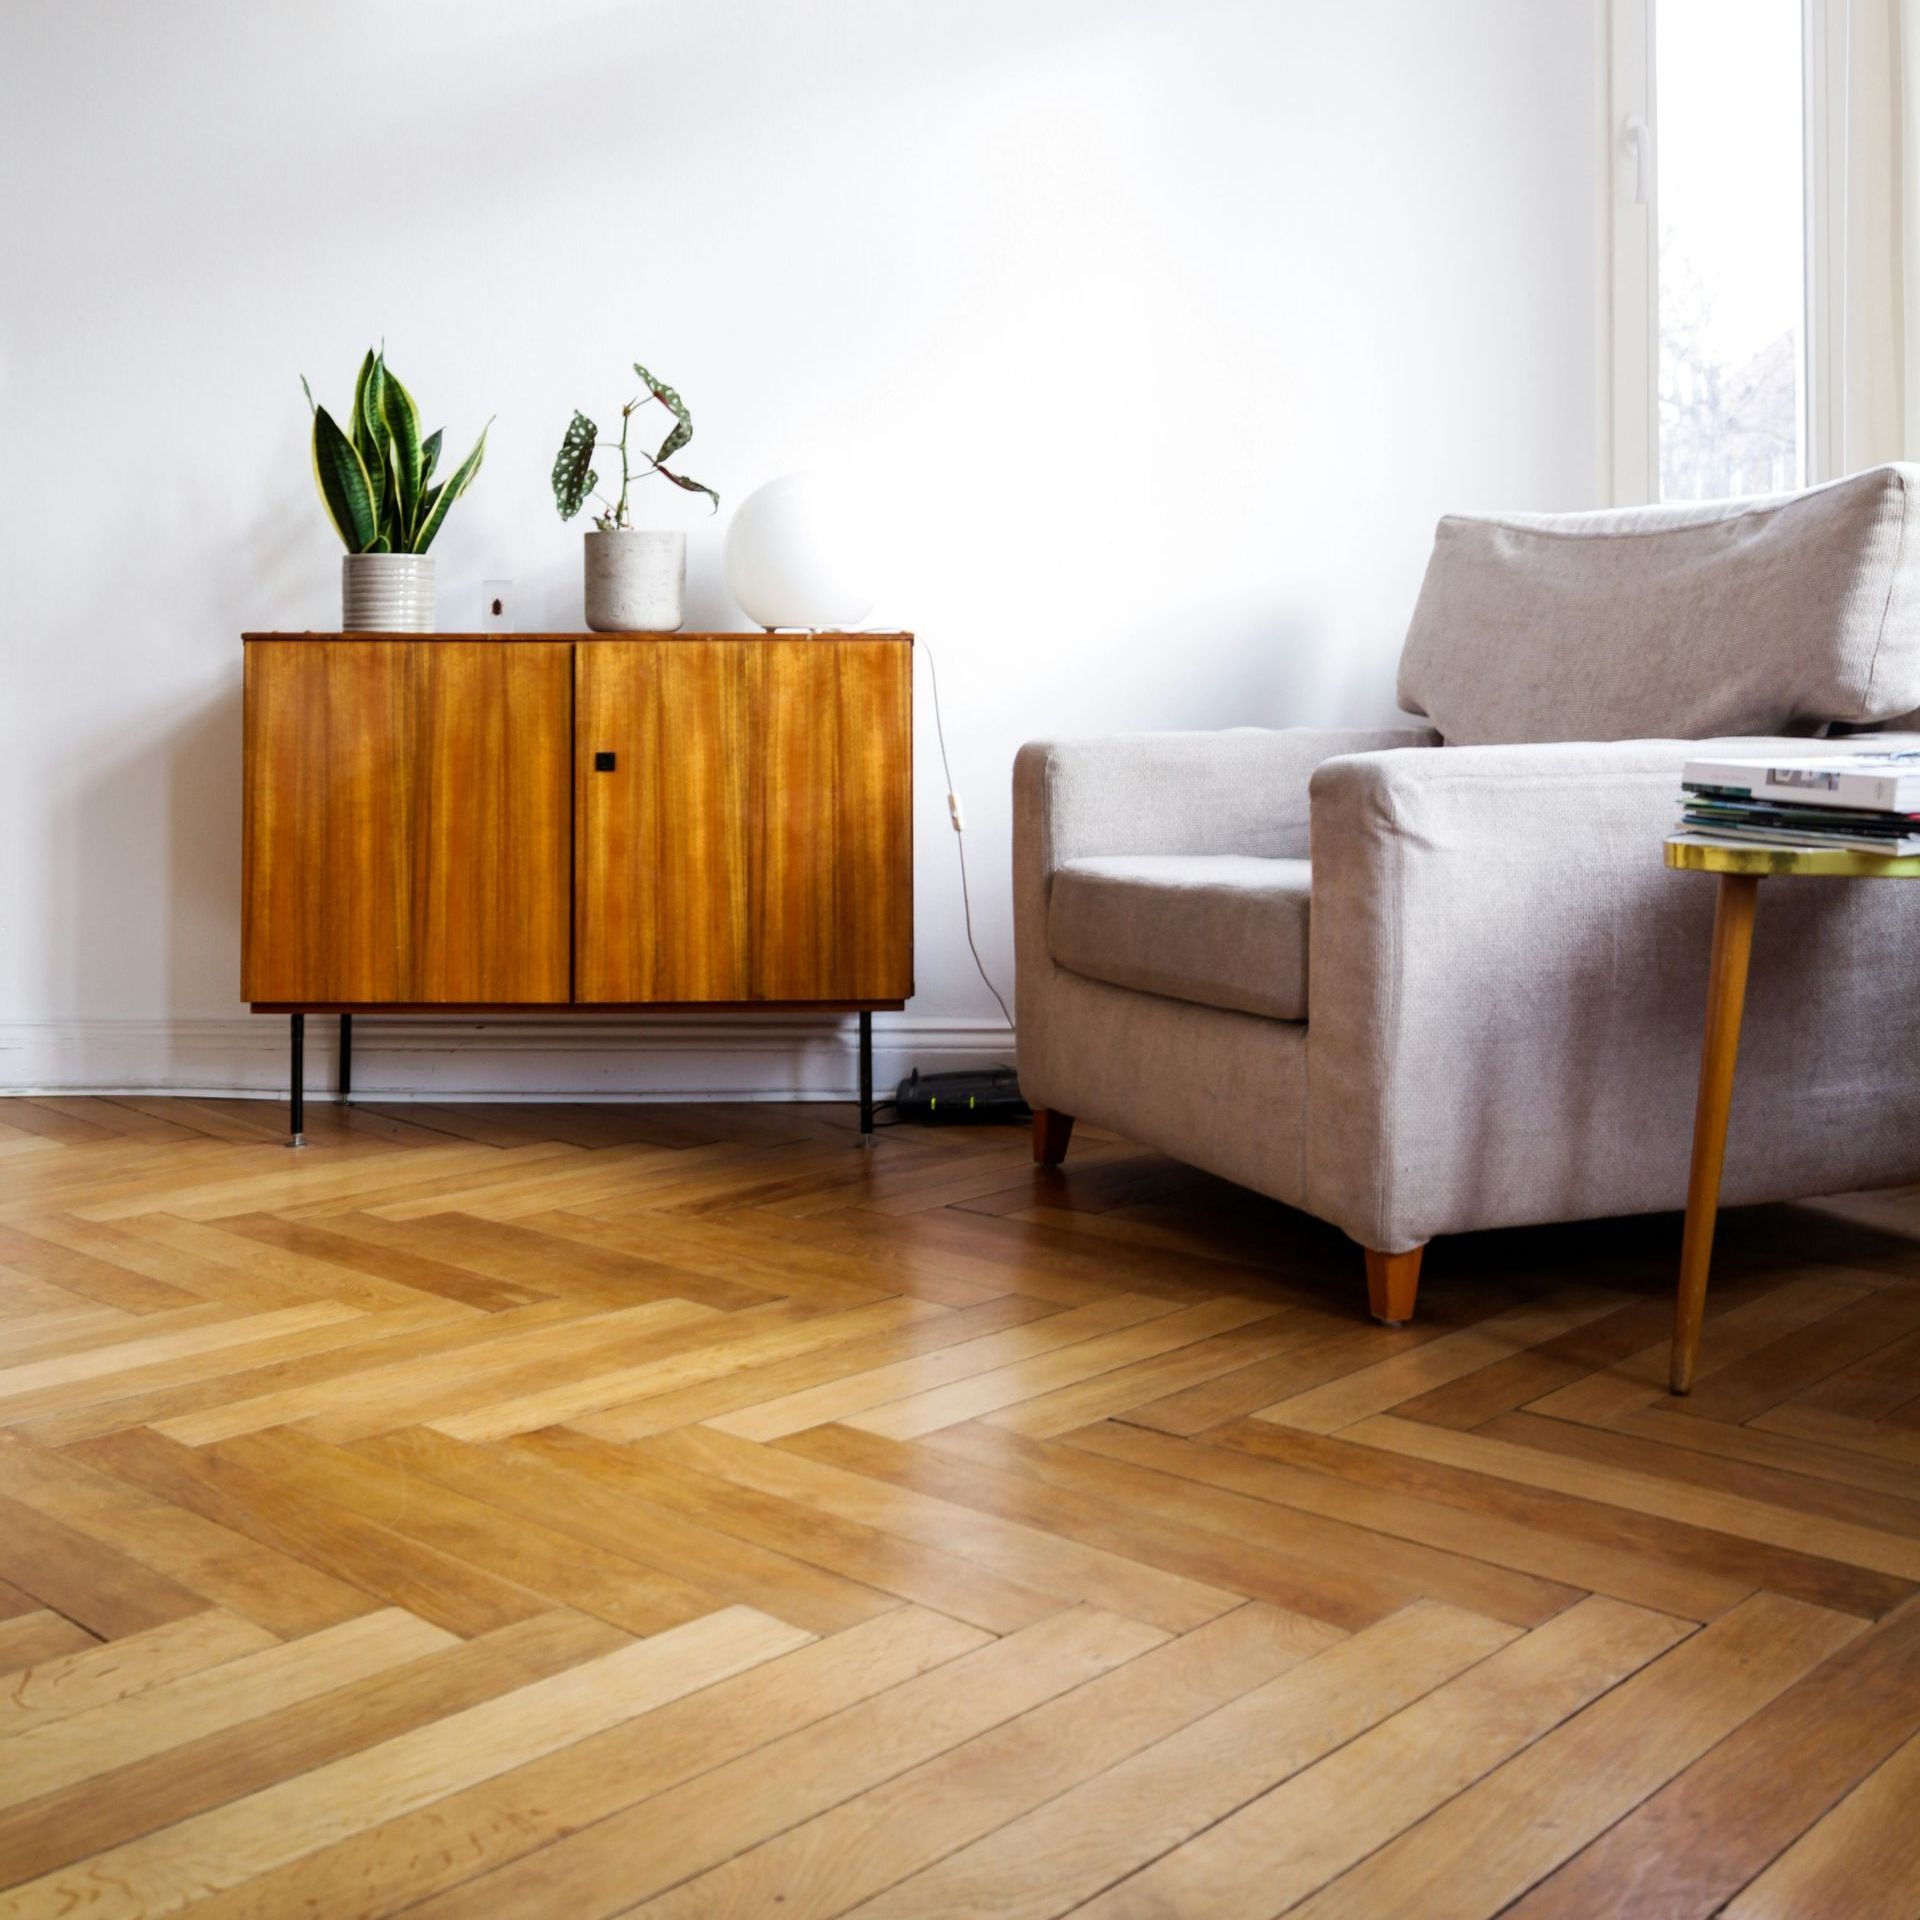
pixel 434 511
pixel 573 477
pixel 373 437
pixel 690 486
pixel 402 420
pixel 345 489
pixel 429 456
pixel 357 426
pixel 683 420
pixel 308 391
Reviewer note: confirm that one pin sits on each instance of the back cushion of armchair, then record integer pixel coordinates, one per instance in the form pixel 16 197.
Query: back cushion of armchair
pixel 1778 615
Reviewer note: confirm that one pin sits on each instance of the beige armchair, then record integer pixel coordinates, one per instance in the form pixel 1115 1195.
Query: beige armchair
pixel 1437 979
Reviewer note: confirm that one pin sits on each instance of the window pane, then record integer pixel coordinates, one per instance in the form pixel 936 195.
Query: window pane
pixel 1731 155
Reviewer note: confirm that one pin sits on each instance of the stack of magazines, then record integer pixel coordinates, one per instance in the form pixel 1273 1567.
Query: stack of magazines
pixel 1865 802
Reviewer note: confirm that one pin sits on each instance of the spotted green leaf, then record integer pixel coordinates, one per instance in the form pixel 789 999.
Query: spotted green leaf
pixel 683 420
pixel 691 486
pixel 573 477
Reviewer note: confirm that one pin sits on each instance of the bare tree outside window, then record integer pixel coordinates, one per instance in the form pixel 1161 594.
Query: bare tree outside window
pixel 1732 256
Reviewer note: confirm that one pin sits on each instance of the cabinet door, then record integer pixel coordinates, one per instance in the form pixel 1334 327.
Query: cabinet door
pixel 492 845
pixel 752 839
pixel 660 907
pixel 406 823
pixel 327 819
pixel 833 846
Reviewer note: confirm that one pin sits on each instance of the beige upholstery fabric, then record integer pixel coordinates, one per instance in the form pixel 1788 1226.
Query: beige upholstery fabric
pixel 1240 791
pixel 1760 616
pixel 1220 929
pixel 1223 1090
pixel 1508 992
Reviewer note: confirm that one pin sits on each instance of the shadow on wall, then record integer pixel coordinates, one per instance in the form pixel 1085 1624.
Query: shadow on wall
pixel 150 866
pixel 144 894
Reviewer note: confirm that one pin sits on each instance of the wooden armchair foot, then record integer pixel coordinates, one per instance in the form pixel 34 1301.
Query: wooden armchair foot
pixel 1051 1132
pixel 1393 1280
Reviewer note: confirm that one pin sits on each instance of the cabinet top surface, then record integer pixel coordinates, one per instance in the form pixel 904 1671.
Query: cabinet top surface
pixel 508 639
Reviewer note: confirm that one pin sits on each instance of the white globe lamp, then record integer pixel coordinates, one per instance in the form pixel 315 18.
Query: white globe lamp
pixel 799 554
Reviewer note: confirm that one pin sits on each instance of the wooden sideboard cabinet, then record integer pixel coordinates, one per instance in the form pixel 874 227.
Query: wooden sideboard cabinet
pixel 499 823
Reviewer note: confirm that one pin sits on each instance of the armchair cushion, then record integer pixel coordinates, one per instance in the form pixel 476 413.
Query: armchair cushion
pixel 1222 930
pixel 1770 616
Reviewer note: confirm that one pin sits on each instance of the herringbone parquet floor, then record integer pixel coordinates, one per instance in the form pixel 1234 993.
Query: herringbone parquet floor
pixel 578 1511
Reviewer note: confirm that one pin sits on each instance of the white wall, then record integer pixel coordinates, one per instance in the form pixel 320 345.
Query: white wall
pixel 1169 324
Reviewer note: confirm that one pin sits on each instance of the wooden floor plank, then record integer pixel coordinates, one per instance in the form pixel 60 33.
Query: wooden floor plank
pixel 1862 1860
pixel 1489 1844
pixel 1053 1857
pixel 1373 1565
pixel 602 1508
pixel 1314 1826
pixel 615 1398
pixel 694 1827
pixel 107 1592
pixel 144 1796
pixel 1745 1518
pixel 29 1639
pixel 514 1547
pixel 118 1732
pixel 176 1865
pixel 1237 1461
pixel 470 1833
pixel 1001 1387
pixel 1685 1851
pixel 828 1864
pixel 1339 1403
pixel 327 1535
pixel 223 1566
pixel 845 1398
pixel 887 1499
pixel 97 1673
pixel 593 1508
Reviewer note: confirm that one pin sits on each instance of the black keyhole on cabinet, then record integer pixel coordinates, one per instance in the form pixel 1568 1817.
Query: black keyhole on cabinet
pixel 603 763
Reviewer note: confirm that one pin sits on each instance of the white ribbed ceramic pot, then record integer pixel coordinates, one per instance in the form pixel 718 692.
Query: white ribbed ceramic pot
pixel 386 593
pixel 636 581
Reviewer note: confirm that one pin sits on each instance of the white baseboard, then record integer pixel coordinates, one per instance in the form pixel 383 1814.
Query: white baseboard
pixel 565 1057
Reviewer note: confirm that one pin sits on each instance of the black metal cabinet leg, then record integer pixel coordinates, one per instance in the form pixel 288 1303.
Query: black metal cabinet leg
pixel 346 1056
pixel 297 1128
pixel 866 1079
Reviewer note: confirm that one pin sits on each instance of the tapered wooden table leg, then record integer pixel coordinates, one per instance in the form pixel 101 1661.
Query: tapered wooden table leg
pixel 1726 1000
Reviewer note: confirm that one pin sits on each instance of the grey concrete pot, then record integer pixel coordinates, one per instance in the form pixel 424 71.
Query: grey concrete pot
pixel 636 581
pixel 386 593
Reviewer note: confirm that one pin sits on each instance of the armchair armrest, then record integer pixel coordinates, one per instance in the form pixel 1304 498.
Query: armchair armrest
pixel 1243 791
pixel 1507 985
pixel 1239 791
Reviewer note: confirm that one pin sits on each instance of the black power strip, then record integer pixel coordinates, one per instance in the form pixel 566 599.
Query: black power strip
pixel 976 1098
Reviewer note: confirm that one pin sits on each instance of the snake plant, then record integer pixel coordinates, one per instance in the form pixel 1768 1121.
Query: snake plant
pixel 376 480
pixel 573 475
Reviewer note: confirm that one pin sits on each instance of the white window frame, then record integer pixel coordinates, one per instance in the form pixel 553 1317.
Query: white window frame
pixel 1633 319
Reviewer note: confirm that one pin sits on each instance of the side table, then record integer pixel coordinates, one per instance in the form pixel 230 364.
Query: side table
pixel 1741 869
